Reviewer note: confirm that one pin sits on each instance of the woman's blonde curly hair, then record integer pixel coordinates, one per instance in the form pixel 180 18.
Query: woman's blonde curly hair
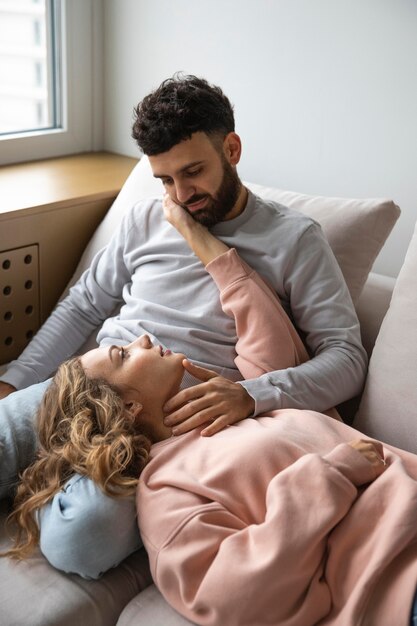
pixel 83 427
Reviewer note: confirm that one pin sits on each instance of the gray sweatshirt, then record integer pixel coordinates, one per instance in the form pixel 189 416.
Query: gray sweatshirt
pixel 146 280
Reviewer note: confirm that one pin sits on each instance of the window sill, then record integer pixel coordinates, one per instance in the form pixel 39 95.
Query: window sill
pixel 56 183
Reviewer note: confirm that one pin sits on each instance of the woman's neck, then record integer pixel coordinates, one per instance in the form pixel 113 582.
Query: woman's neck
pixel 153 426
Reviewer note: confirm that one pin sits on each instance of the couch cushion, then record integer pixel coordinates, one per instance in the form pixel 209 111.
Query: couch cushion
pixel 150 609
pixel 356 229
pixel 34 593
pixel 372 307
pixel 388 408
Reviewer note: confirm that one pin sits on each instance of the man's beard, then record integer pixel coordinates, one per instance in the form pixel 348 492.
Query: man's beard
pixel 222 203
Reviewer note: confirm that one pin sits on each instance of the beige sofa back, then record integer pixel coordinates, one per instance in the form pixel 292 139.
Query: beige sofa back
pixel 372 307
pixel 388 409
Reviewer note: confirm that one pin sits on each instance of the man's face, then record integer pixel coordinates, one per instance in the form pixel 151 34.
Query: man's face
pixel 197 175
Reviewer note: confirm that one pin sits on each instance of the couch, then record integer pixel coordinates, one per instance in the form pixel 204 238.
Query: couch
pixel 34 594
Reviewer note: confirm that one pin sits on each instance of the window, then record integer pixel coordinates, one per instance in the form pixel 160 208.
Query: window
pixel 48 77
pixel 29 71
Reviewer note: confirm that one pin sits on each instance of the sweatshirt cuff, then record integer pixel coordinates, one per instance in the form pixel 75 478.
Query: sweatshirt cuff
pixel 353 465
pixel 267 397
pixel 18 377
pixel 227 269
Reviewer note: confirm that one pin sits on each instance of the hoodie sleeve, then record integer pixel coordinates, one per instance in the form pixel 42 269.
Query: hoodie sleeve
pixel 215 569
pixel 261 321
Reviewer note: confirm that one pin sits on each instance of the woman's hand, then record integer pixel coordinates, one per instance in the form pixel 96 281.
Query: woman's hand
pixel 178 217
pixel 199 238
pixel 371 450
pixel 217 402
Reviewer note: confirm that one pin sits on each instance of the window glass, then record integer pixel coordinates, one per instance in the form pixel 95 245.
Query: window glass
pixel 50 74
pixel 28 80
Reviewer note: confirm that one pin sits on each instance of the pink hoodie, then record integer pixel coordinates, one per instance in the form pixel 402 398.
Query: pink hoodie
pixel 276 521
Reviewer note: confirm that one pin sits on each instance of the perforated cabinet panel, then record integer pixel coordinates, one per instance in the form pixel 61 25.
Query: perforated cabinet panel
pixel 19 299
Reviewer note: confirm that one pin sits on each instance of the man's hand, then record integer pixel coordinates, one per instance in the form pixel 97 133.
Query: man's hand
pixel 6 389
pixel 216 400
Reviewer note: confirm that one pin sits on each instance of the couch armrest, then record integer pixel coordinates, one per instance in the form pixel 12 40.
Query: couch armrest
pixel 372 306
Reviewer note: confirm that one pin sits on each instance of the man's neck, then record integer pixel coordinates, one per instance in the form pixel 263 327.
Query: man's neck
pixel 240 204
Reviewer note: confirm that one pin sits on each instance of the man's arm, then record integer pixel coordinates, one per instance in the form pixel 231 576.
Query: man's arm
pixel 90 301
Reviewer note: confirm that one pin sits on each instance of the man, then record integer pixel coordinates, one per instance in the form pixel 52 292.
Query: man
pixel 186 127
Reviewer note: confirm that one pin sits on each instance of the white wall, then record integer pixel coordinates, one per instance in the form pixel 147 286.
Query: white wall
pixel 325 91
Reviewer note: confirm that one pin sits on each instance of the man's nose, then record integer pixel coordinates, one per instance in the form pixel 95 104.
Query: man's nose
pixel 184 191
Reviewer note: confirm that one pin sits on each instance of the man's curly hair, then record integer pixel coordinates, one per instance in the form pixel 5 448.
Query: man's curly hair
pixel 180 106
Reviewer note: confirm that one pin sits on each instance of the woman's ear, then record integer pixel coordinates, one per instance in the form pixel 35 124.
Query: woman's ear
pixel 134 408
pixel 232 147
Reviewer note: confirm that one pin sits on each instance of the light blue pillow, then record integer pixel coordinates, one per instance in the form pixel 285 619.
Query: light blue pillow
pixel 17 433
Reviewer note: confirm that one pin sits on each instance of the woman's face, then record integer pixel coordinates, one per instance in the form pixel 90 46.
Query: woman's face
pixel 141 372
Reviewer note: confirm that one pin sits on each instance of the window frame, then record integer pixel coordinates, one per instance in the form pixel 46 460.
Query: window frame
pixel 80 81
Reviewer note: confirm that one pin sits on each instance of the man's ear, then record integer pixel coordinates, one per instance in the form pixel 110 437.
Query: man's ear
pixel 232 147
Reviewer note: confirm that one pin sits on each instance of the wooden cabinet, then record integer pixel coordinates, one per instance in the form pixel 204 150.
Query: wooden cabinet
pixel 48 212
